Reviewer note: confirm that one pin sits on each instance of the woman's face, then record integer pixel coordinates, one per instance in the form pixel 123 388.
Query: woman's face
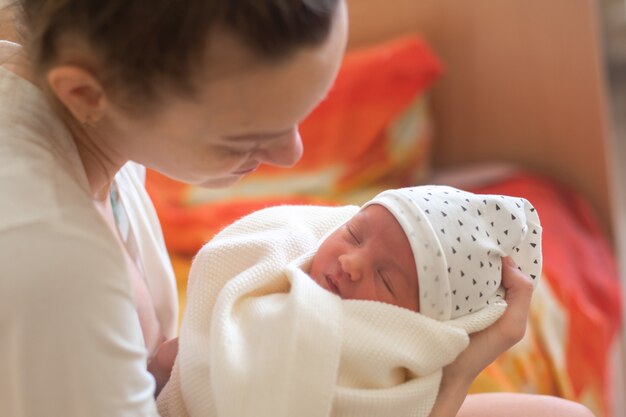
pixel 246 113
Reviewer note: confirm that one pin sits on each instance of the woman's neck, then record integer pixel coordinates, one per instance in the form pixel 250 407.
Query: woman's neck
pixel 100 161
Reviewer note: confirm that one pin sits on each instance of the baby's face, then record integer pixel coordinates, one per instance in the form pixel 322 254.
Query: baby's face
pixel 369 258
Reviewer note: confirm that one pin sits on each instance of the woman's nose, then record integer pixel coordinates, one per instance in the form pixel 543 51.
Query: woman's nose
pixel 284 153
pixel 352 266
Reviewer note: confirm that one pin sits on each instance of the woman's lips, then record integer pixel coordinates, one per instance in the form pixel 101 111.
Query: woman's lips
pixel 331 285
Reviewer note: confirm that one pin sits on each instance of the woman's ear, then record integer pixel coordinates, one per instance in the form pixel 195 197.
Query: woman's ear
pixel 79 91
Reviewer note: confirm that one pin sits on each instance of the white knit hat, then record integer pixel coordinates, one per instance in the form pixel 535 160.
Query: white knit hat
pixel 458 239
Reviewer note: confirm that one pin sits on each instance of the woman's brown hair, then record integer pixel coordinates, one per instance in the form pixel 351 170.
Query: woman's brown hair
pixel 146 43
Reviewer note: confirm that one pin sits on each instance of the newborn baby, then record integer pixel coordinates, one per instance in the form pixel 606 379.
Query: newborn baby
pixel 344 311
pixel 432 249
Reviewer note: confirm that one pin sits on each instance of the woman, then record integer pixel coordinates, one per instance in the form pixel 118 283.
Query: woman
pixel 90 93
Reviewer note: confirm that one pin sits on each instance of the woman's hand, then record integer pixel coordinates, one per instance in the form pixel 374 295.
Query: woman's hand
pixel 162 363
pixel 485 346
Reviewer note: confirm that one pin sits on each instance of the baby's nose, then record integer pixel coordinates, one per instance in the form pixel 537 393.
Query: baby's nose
pixel 352 267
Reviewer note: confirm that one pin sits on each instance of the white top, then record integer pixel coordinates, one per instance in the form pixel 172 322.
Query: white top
pixel 70 338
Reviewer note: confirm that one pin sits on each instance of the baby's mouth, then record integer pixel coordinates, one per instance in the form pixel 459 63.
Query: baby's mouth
pixel 331 285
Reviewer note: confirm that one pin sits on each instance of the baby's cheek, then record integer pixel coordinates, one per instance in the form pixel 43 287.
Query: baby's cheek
pixel 314 271
pixel 371 293
pixel 318 266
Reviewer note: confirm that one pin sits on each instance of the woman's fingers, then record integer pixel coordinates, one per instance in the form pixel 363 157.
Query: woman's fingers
pixel 167 353
pixel 162 363
pixel 485 346
pixel 519 290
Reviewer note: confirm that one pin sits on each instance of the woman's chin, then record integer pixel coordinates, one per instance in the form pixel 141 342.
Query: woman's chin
pixel 222 182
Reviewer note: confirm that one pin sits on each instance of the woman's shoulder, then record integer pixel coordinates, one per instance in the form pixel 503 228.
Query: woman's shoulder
pixel 43 198
pixel 37 188
pixel 65 289
pixel 46 218
pixel 41 175
pixel 59 254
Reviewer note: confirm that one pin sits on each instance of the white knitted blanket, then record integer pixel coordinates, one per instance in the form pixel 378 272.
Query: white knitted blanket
pixel 260 338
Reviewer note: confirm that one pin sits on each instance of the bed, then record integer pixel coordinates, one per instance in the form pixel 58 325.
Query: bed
pixel 499 97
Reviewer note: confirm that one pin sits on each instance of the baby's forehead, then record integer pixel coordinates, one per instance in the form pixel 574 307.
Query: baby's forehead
pixel 376 212
pixel 377 222
pixel 378 217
